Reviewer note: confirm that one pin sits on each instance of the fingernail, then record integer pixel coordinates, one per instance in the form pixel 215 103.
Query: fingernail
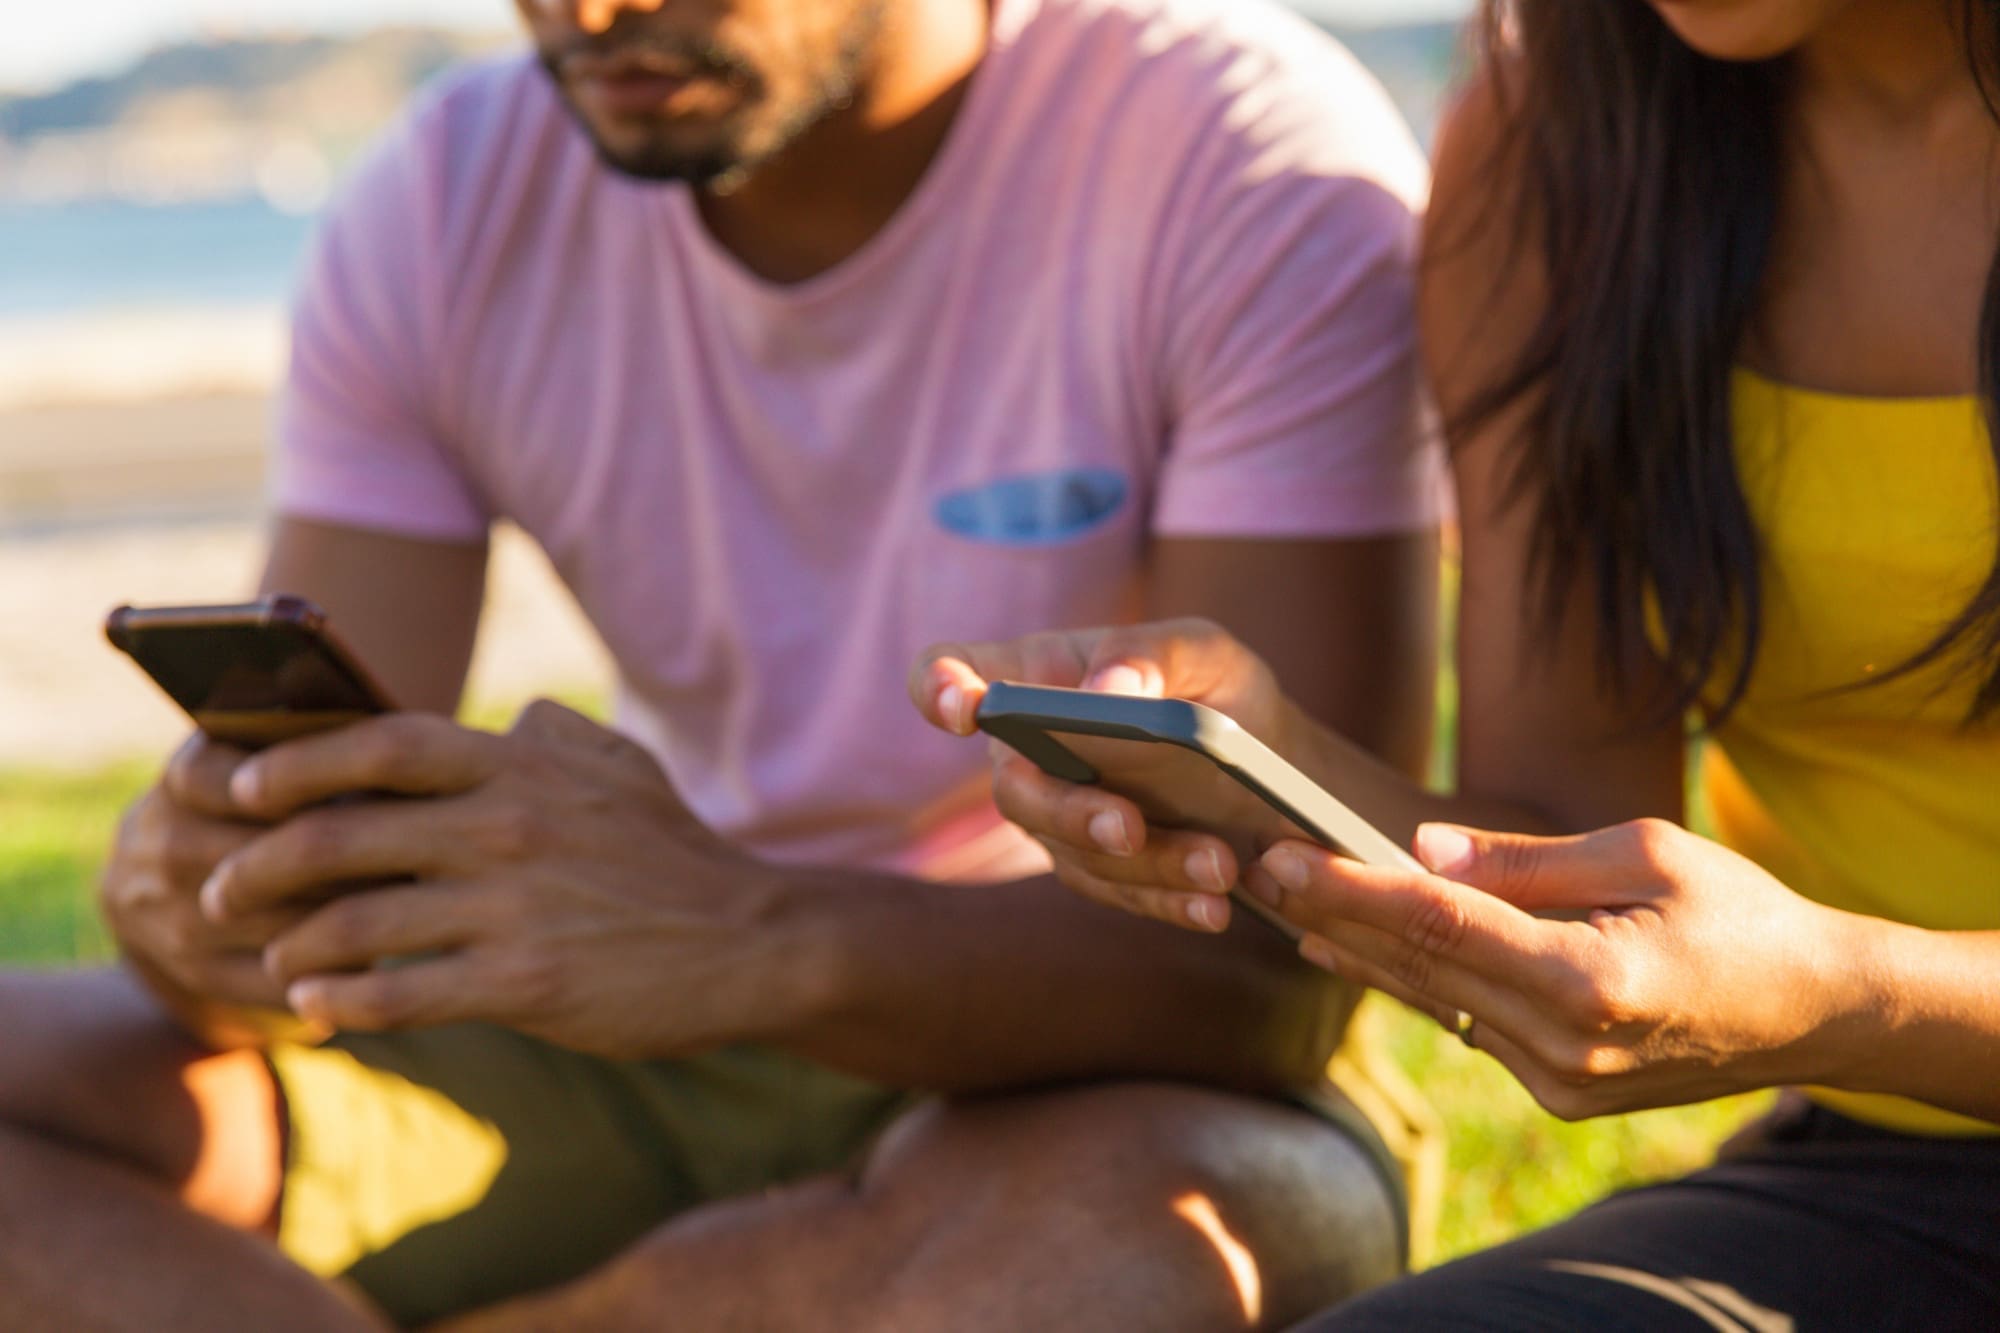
pixel 1119 680
pixel 1287 867
pixel 302 997
pixel 951 704
pixel 1209 914
pixel 246 785
pixel 1445 848
pixel 214 897
pixel 1107 830
pixel 1319 953
pixel 1204 867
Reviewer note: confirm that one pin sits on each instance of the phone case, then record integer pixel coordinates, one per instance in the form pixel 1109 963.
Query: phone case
pixel 1032 719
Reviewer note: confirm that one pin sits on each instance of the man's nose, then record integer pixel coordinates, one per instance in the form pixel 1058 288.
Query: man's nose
pixel 594 16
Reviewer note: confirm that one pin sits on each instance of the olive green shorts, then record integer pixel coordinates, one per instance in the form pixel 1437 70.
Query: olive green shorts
pixel 444 1171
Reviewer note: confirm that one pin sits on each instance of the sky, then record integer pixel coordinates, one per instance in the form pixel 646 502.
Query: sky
pixel 45 43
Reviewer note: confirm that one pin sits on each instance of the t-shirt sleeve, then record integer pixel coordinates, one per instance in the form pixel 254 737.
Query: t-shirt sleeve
pixel 359 442
pixel 1298 406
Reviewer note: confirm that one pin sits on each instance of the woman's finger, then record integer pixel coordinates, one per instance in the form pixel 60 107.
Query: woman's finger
pixel 1315 889
pixel 1088 819
pixel 1203 912
pixel 1437 985
pixel 1610 868
pixel 1482 1034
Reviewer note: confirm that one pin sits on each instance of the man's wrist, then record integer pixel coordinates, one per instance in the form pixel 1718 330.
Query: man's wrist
pixel 803 933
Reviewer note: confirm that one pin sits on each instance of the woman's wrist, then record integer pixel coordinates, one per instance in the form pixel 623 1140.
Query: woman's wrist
pixel 1864 1000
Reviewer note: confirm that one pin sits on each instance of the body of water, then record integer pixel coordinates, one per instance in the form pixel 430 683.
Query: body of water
pixel 80 258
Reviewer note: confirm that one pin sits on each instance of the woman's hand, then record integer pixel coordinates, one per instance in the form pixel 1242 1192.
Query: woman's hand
pixel 1101 844
pixel 1637 967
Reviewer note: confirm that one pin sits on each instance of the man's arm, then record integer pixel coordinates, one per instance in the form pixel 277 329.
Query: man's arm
pixel 417 639
pixel 409 609
pixel 961 988
pixel 562 888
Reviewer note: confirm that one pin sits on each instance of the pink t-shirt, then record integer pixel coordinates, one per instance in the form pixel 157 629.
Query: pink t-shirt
pixel 1157 283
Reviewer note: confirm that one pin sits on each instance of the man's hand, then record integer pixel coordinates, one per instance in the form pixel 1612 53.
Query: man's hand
pixel 550 880
pixel 210 976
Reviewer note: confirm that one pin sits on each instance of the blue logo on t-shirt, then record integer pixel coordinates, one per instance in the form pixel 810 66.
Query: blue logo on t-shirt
pixel 1039 510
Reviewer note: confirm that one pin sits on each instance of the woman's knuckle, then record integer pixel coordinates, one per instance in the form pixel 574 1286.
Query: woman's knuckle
pixel 1649 841
pixel 1413 967
pixel 1438 926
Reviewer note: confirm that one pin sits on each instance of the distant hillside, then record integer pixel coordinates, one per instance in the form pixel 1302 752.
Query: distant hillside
pixel 277 116
pixel 322 83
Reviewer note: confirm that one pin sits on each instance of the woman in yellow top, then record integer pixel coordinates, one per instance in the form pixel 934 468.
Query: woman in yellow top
pixel 1713 313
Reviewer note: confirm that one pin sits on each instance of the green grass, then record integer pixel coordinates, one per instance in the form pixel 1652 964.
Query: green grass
pixel 1512 1167
pixel 54 831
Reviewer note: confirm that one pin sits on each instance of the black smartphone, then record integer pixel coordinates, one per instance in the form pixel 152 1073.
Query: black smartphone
pixel 1185 766
pixel 251 674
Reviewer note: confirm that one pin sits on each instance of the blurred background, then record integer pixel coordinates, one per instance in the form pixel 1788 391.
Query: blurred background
pixel 161 162
pixel 160 166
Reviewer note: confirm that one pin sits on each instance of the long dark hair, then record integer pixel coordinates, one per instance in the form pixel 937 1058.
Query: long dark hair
pixel 1649 178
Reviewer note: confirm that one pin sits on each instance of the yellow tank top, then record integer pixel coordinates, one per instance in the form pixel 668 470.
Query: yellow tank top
pixel 1878 521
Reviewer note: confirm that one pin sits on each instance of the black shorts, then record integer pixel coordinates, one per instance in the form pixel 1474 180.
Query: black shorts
pixel 1815 1222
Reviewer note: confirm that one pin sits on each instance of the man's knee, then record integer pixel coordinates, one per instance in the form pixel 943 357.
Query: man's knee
pixel 1273 1207
pixel 90 1062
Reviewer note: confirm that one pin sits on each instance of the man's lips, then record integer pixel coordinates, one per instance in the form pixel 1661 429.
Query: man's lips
pixel 630 93
pixel 638 83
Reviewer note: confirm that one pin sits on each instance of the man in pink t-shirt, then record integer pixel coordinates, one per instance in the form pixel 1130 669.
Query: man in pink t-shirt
pixel 800 334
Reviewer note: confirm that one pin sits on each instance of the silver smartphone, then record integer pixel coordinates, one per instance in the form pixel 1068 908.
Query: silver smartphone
pixel 1185 766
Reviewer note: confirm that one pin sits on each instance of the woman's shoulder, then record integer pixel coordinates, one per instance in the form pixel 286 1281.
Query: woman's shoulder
pixel 1483 287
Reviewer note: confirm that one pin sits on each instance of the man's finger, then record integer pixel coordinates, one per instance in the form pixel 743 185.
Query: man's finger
pixel 431 993
pixel 197 777
pixel 314 853
pixel 407 754
pixel 365 927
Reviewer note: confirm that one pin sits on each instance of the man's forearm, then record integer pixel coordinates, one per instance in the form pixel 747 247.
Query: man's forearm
pixel 961 989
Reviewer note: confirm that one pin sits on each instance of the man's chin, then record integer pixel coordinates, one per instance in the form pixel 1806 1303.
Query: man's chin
pixel 661 168
pixel 656 159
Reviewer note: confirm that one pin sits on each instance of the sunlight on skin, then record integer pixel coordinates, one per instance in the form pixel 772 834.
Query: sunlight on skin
pixel 598 15
pixel 236 1177
pixel 1720 1307
pixel 1198 1211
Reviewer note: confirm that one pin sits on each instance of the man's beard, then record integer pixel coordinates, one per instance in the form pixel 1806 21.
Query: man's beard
pixel 723 164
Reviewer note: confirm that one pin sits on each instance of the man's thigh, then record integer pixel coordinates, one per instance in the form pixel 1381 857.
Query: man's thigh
pixel 447 1170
